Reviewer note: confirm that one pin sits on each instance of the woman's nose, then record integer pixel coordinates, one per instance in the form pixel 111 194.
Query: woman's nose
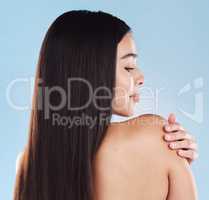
pixel 139 79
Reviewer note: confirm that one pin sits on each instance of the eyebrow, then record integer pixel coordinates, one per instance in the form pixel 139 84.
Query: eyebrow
pixel 129 55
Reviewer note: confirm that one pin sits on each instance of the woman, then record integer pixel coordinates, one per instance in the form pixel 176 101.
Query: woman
pixel 87 72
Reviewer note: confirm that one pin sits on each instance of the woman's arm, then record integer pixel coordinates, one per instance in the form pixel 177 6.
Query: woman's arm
pixel 181 180
pixel 134 160
pixel 181 183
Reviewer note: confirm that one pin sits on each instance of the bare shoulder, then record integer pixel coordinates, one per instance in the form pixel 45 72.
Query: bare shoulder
pixel 134 157
pixel 151 128
pixel 143 125
pixel 140 137
pixel 146 132
pixel 126 158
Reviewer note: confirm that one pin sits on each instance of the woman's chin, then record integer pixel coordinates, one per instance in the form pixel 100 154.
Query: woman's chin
pixel 130 113
pixel 125 113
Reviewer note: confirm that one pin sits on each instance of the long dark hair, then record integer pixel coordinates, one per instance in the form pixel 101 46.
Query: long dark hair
pixel 57 160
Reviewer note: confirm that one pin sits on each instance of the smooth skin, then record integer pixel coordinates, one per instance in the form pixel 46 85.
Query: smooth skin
pixel 128 78
pixel 134 162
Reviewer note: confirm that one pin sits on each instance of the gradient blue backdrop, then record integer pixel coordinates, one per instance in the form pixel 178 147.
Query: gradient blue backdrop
pixel 173 42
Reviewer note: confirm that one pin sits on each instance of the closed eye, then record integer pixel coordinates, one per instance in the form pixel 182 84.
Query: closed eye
pixel 129 68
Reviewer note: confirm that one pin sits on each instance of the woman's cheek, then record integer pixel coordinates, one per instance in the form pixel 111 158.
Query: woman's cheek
pixel 131 83
pixel 122 91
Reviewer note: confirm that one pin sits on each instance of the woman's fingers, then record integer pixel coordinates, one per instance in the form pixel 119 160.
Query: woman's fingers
pixel 171 118
pixel 189 154
pixel 173 127
pixel 179 139
pixel 184 144
pixel 179 135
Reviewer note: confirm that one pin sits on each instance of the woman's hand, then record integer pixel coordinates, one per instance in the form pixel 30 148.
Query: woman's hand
pixel 178 138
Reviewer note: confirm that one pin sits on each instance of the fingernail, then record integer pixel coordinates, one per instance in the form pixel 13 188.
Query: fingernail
pixel 172 145
pixel 180 152
pixel 168 128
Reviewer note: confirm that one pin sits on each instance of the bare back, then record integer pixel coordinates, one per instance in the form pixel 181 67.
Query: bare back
pixel 134 163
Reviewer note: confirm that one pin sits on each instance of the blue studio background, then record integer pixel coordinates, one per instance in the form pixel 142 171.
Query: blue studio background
pixel 173 44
